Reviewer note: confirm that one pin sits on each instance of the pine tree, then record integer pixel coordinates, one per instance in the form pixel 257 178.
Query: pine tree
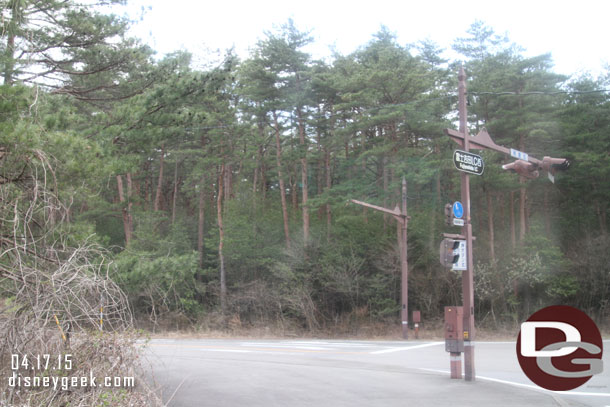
pixel 71 49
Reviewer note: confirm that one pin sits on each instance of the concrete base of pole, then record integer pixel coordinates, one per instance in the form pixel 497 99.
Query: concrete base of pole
pixel 456 365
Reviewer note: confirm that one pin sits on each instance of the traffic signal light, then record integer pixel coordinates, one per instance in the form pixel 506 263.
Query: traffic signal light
pixel 524 168
pixel 449 214
pixel 448 252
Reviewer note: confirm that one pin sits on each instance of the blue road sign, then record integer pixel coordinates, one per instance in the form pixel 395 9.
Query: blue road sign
pixel 458 209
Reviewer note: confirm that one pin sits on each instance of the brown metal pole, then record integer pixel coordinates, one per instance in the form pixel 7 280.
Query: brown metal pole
pixel 467 275
pixel 404 287
pixel 401 217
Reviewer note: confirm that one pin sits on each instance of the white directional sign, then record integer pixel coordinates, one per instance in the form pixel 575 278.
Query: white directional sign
pixel 458 222
pixel 520 155
pixel 462 263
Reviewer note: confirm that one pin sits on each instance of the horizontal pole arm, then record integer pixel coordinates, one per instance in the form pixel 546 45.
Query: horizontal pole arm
pixel 456 236
pixel 483 141
pixel 393 212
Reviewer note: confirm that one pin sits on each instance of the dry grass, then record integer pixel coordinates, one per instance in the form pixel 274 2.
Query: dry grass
pixel 432 331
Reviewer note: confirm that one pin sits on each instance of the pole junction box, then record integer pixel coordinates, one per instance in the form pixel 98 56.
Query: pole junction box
pixel 454 326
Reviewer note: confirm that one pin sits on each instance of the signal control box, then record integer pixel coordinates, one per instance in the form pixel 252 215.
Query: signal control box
pixel 454 323
pixel 416 317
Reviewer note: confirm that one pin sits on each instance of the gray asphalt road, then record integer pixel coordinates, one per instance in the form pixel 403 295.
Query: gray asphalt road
pixel 348 373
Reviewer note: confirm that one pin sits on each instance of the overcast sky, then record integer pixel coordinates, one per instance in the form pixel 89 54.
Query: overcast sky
pixel 576 33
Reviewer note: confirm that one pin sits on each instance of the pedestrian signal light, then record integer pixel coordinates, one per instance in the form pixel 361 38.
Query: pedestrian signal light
pixel 449 214
pixel 448 253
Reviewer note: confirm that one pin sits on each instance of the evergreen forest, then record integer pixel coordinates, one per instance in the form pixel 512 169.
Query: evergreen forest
pixel 216 194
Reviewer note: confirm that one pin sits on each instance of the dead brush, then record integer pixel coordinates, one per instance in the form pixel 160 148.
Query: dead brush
pixel 72 309
pixel 62 317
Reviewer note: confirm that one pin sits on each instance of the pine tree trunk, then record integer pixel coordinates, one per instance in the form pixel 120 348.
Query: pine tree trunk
pixel 175 193
pixel 393 153
pixel 320 171
pixel 124 210
pixel 601 217
pixel 501 206
pixel 259 154
pixel 438 205
pixel 264 177
pixel 157 203
pixel 327 169
pixel 478 208
pixel 305 198
pixel 281 179
pixel 522 212
pixel 604 220
pixel 129 203
pixel 223 282
pixel 385 192
pixel 9 64
pixel 363 168
pixel 228 182
pixel 522 191
pixel 147 185
pixel 490 218
pixel 349 167
pixel 547 212
pixel 304 180
pixel 294 194
pixel 328 186
pixel 513 237
pixel 201 219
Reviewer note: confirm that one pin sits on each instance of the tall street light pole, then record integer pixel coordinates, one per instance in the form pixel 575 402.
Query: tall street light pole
pixel 404 266
pixel 525 165
pixel 401 217
pixel 467 275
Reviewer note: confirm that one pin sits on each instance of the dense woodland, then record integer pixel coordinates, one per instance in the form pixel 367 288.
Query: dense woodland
pixel 220 191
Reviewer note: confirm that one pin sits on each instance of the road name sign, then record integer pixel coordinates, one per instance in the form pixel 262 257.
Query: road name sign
pixel 468 162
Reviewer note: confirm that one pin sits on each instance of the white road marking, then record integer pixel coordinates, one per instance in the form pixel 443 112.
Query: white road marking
pixel 514 342
pixel 528 386
pixel 497 342
pixel 280 345
pixel 258 352
pixel 227 350
pixel 392 350
pixel 349 345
